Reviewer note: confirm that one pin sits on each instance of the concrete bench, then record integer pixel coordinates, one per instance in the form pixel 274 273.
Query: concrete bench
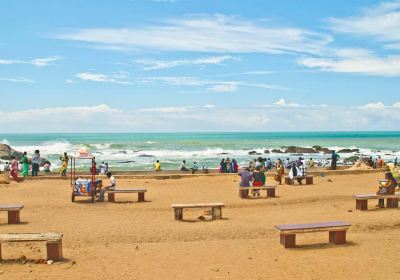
pixel 216 209
pixel 392 200
pixel 337 232
pixel 13 212
pixel 53 242
pixel 309 179
pixel 244 191
pixel 140 192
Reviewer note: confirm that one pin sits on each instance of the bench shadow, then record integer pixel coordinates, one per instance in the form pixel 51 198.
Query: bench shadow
pixel 321 246
pixel 130 201
pixel 261 197
pixel 31 261
pixel 20 223
pixel 200 221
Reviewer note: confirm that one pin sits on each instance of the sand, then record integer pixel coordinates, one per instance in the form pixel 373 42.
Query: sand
pixel 130 240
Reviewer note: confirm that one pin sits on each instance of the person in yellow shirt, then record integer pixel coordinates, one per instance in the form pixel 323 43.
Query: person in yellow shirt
pixel 157 166
pixel 311 163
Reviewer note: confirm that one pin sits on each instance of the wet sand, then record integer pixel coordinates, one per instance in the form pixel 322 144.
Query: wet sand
pixel 131 240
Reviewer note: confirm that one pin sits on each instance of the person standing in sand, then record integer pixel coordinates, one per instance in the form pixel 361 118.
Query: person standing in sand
pixel 35 163
pixel 14 169
pixel 64 164
pixel 25 165
pixel 335 158
pixel 280 171
pixel 157 166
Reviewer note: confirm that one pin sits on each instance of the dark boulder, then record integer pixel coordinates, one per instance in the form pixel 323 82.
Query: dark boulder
pixel 266 151
pixel 299 150
pixel 6 152
pixel 277 151
pixel 347 151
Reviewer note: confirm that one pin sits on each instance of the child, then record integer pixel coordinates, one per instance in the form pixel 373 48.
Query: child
pixel 279 173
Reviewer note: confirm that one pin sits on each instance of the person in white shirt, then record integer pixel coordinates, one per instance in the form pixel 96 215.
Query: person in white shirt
pixel 111 186
pixel 183 166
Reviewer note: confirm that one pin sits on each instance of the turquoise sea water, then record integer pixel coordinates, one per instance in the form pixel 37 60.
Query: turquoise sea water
pixel 138 151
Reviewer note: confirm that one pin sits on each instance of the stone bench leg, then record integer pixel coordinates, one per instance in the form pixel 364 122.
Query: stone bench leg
pixel 309 180
pixel 54 251
pixel 111 197
pixel 288 240
pixel 361 204
pixel 243 193
pixel 178 214
pixel 13 217
pixel 392 203
pixel 270 192
pixel 288 181
pixel 337 237
pixel 216 213
pixel 1 258
pixel 141 197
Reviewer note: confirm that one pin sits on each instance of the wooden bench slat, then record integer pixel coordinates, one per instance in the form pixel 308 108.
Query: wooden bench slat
pixel 11 207
pixel 312 226
pixel 23 237
pixel 126 191
pixel 374 196
pixel 198 205
pixel 269 187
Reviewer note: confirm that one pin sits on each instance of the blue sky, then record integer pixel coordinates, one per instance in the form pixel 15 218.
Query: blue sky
pixel 199 65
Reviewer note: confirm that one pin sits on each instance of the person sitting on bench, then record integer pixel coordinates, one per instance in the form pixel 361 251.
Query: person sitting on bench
pixel 111 186
pixel 259 180
pixel 296 173
pixel 388 188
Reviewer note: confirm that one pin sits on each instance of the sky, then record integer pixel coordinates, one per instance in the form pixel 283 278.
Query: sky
pixel 199 65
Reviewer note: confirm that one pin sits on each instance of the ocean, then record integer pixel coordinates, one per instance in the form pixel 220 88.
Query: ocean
pixel 138 151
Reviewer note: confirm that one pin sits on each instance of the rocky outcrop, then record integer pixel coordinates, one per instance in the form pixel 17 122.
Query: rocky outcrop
pixel 6 152
pixel 277 151
pixel 347 151
pixel 298 150
pixel 254 153
pixel 266 151
pixel 320 149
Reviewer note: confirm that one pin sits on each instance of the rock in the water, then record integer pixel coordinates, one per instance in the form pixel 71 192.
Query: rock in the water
pixel 6 152
pixel 266 151
pixel 145 155
pixel 277 151
pixel 320 149
pixel 298 150
pixel 352 159
pixel 347 151
pixel 253 153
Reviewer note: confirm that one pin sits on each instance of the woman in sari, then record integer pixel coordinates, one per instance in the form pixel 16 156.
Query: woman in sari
pixel 64 164
pixel 388 188
pixel 279 172
pixel 25 165
pixel 14 169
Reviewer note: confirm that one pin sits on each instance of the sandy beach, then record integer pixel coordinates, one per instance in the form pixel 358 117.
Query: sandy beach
pixel 131 240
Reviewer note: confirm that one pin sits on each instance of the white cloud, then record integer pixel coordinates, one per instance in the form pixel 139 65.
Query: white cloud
pixel 368 65
pixel 228 87
pixel 165 110
pixel 380 106
pixel 210 106
pixel 282 103
pixel 381 22
pixel 17 80
pixel 98 77
pixel 213 34
pixel 151 64
pixel 199 118
pixel 38 62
